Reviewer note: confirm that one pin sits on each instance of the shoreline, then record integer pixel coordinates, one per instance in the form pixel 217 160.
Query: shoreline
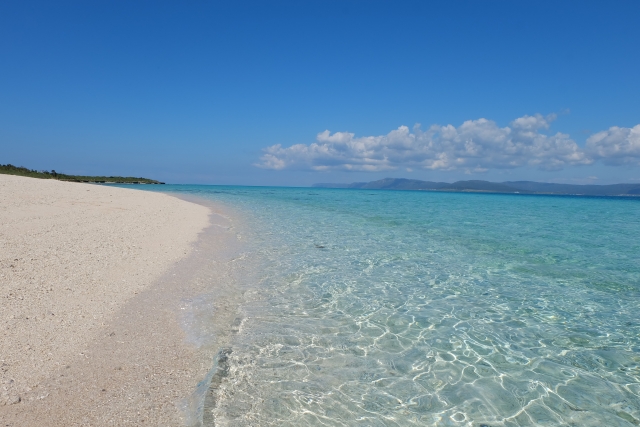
pixel 137 347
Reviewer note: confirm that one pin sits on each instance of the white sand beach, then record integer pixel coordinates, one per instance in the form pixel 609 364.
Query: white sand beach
pixel 88 336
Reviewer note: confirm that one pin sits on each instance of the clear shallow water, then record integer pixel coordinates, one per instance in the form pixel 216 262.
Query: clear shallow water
pixel 382 308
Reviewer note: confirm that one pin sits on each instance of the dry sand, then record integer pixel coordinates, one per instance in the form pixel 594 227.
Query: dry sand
pixel 92 281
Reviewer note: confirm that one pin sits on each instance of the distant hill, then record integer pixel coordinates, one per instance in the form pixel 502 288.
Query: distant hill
pixel 22 171
pixel 389 184
pixel 526 187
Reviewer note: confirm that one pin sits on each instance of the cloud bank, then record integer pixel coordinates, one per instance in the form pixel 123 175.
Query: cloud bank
pixel 474 146
pixel 616 146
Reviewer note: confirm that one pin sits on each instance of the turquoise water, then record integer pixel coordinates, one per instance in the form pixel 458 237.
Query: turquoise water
pixel 390 308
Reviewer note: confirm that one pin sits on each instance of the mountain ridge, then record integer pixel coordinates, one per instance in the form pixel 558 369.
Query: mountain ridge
pixel 512 187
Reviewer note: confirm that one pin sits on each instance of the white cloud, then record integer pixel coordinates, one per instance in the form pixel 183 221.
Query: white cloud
pixel 616 146
pixel 474 146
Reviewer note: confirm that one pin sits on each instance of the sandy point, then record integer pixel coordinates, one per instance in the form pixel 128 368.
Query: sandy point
pixel 89 330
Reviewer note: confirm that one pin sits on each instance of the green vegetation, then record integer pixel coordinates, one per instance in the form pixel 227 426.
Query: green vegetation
pixel 22 171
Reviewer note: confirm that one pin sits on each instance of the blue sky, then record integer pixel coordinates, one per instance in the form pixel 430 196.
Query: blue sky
pixel 204 92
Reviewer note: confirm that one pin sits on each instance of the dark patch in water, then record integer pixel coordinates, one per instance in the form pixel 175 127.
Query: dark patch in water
pixel 211 398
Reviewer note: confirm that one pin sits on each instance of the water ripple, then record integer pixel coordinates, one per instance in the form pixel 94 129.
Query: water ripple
pixel 435 309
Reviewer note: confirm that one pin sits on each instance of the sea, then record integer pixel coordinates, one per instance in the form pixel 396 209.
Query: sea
pixel 402 308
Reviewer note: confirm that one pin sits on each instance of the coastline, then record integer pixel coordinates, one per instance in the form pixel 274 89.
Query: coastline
pixel 101 291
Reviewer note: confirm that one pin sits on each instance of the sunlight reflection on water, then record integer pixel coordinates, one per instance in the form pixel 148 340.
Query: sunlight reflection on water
pixel 413 308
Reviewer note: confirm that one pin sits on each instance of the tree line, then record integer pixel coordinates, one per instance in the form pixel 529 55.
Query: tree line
pixel 10 169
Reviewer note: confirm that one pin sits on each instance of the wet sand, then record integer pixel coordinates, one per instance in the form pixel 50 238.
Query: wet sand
pixel 97 284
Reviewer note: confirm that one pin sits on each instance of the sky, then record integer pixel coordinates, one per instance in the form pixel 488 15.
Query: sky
pixel 295 93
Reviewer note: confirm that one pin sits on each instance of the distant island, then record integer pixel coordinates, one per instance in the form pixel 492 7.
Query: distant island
pixel 513 187
pixel 22 171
